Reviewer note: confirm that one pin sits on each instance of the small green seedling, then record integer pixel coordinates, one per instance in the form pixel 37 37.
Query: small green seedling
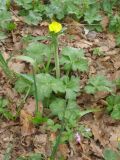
pixel 3 109
pixel 96 51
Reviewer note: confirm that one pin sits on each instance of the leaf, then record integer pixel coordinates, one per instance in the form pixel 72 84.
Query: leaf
pixel 108 5
pixel 38 119
pixel 114 25
pixel 111 155
pixel 25 4
pixel 54 8
pixel 57 107
pixel 3 110
pixel 92 15
pixel 71 86
pixel 44 85
pixel 11 26
pixel 27 115
pixel 2 5
pixel 2 36
pixel 5 18
pixel 33 156
pixel 72 110
pixel 57 86
pixel 47 84
pixel 3 102
pixel 27 59
pixel 85 132
pixel 113 106
pixel 38 51
pixel 33 18
pixel 52 126
pixel 117 82
pixel 73 59
pixel 98 83
pixel 22 85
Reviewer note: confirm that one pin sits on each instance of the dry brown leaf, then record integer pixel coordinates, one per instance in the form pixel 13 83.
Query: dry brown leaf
pixel 76 158
pixel 96 149
pixel 114 136
pixel 116 75
pixel 27 127
pixel 105 22
pixel 116 61
pixel 44 23
pixel 111 42
pixel 63 148
pixel 26 114
pixel 100 95
pixel 17 66
pixel 40 143
pixel 52 137
pixel 113 52
pixel 83 44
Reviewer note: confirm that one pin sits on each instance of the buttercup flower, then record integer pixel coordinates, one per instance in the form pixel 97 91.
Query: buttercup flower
pixel 55 27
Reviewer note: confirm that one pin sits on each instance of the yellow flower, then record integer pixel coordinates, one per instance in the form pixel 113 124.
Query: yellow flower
pixel 55 27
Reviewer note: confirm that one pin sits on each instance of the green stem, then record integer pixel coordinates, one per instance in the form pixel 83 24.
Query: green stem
pixel 4 66
pixel 48 64
pixel 57 143
pixel 36 93
pixel 52 157
pixel 56 56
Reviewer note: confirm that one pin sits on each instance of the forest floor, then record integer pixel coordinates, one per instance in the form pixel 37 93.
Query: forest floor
pixel 105 130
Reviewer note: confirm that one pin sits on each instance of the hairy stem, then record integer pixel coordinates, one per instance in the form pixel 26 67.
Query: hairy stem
pixel 36 93
pixel 56 56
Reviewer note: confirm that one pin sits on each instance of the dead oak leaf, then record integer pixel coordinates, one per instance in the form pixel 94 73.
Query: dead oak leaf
pixel 26 114
pixel 27 128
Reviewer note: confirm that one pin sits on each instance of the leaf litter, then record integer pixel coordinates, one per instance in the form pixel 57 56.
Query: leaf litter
pixel 27 138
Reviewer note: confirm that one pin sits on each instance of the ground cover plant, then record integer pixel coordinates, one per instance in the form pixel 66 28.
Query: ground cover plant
pixel 59 89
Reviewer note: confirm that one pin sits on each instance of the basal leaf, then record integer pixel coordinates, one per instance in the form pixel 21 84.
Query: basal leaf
pixel 92 15
pixel 38 51
pixel 47 84
pixel 114 25
pixel 33 18
pixel 113 106
pixel 71 86
pixel 98 83
pixel 44 85
pixel 57 107
pixel 74 59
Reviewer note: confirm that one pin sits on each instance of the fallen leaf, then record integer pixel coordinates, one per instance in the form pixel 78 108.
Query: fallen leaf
pixel 27 127
pixel 40 143
pixel 17 66
pixel 63 148
pixel 96 149
pixel 104 22
pixel 26 114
